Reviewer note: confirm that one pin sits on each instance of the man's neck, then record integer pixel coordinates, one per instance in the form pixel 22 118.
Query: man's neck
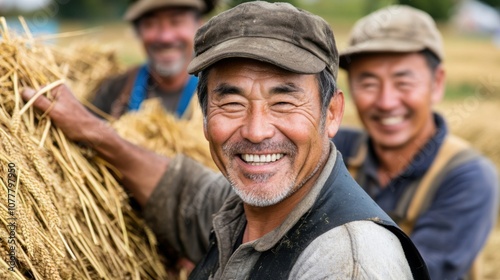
pixel 262 220
pixel 393 161
pixel 173 83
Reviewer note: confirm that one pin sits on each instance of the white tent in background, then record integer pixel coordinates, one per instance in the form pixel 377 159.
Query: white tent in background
pixel 43 21
pixel 476 17
pixel 23 5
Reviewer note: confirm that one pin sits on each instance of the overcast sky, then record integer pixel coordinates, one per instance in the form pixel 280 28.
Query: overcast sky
pixel 25 5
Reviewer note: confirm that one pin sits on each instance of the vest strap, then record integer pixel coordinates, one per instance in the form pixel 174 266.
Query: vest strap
pixel 139 91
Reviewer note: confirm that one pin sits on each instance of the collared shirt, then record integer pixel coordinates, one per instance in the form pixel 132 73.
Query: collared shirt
pixel 454 229
pixel 180 213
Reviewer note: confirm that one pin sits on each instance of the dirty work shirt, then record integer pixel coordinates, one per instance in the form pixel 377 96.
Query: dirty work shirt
pixel 456 225
pixel 180 213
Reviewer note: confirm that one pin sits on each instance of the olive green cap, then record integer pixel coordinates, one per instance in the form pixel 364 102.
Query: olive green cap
pixel 276 33
pixel 396 28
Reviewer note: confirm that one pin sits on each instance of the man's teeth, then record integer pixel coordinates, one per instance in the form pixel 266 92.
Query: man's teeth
pixel 249 158
pixel 391 120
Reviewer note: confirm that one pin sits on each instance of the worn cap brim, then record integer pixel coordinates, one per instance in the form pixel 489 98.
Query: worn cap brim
pixel 378 45
pixel 280 53
pixel 139 8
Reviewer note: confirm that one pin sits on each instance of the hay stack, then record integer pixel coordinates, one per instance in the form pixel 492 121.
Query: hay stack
pixel 86 65
pixel 67 217
pixel 153 128
pixel 474 120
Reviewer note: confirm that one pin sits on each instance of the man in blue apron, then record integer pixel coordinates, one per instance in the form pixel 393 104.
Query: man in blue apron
pixel 437 188
pixel 166 29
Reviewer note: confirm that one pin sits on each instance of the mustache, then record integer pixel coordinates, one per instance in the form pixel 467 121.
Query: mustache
pixel 163 46
pixel 247 147
pixel 378 113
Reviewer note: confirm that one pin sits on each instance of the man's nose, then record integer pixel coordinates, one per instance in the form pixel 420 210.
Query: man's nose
pixel 166 34
pixel 258 126
pixel 388 98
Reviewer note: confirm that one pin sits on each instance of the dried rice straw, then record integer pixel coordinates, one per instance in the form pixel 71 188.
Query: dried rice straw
pixel 72 218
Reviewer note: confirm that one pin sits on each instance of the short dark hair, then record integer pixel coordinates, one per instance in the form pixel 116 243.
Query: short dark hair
pixel 326 84
pixel 432 60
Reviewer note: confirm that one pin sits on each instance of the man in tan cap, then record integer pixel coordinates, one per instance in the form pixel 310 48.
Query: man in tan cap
pixel 284 206
pixel 166 29
pixel 439 190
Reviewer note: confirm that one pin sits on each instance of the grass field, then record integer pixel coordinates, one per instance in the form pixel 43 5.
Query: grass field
pixel 472 64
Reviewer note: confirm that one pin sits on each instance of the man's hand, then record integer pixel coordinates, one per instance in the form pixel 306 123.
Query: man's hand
pixel 141 169
pixel 68 114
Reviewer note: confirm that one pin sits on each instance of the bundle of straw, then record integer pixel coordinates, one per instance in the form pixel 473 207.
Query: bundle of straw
pixel 153 128
pixel 473 121
pixel 86 64
pixel 62 216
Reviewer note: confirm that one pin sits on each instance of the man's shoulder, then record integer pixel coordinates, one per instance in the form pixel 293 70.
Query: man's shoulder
pixel 348 139
pixel 361 234
pixel 355 250
pixel 467 182
pixel 469 164
pixel 477 171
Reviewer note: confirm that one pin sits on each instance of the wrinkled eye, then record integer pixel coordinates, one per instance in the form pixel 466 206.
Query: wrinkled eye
pixel 283 106
pixel 232 106
pixel 369 86
pixel 148 23
pixel 179 20
pixel 404 86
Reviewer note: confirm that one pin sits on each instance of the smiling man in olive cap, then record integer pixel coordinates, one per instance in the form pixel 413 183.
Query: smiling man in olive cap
pixel 166 29
pixel 440 190
pixel 284 206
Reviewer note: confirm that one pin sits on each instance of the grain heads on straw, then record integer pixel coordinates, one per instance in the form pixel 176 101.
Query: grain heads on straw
pixel 62 215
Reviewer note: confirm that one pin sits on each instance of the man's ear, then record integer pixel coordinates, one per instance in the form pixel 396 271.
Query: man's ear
pixel 438 84
pixel 205 132
pixel 335 113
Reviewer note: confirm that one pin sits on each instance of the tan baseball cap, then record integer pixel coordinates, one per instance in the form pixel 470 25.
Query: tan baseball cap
pixel 276 33
pixel 396 28
pixel 141 7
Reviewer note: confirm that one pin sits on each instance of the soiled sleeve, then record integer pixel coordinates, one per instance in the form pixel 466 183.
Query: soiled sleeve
pixel 181 207
pixel 357 250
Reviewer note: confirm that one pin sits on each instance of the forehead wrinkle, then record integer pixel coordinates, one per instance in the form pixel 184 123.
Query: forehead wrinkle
pixel 365 75
pixel 403 73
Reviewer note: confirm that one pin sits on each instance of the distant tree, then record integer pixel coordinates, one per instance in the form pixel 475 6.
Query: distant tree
pixel 493 3
pixel 438 9
pixel 373 5
pixel 90 9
